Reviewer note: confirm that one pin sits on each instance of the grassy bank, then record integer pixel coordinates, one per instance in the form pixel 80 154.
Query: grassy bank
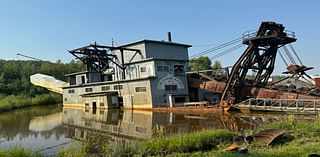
pixel 99 145
pixel 13 101
pixel 301 139
pixel 197 141
pixel 18 152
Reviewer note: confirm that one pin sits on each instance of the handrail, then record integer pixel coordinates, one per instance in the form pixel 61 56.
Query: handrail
pixel 280 104
pixel 253 33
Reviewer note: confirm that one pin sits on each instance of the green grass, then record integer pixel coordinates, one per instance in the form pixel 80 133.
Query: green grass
pixel 71 151
pixel 297 148
pixel 197 141
pixel 300 140
pixel 13 101
pixel 18 152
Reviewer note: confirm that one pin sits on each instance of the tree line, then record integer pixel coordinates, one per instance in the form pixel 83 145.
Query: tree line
pixel 14 75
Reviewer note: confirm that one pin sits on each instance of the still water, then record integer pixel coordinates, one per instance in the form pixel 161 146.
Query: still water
pixel 48 128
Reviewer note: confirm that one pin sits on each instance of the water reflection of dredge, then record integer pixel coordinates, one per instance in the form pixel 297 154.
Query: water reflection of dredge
pixel 126 126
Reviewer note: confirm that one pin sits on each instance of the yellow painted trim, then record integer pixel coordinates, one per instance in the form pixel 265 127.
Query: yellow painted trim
pixel 139 106
pixel 82 106
pixel 73 105
pixel 145 106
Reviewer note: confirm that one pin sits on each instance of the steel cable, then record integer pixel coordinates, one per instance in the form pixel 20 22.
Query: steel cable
pixel 217 47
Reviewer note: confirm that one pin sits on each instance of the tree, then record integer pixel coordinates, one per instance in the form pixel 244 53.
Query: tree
pixel 201 63
pixel 217 69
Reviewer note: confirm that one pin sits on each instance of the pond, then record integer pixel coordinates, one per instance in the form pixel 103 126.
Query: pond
pixel 37 128
pixel 49 128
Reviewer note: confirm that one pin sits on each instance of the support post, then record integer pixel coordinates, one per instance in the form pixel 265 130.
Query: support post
pixel 122 65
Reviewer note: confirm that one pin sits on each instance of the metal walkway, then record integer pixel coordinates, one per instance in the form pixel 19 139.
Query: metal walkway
pixel 286 105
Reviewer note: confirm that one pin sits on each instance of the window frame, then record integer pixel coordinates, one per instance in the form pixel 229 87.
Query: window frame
pixel 144 89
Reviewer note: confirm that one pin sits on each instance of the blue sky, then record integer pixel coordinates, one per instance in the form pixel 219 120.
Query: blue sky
pixel 47 29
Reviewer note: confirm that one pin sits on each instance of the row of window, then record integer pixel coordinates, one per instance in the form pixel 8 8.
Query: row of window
pixel 178 69
pixel 118 87
pixel 115 87
pixel 164 68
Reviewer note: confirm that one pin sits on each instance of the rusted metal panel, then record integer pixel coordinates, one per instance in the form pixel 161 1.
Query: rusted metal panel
pixel 213 85
pixel 276 94
pixel 317 81
pixel 268 93
pixel 220 87
pixel 265 137
pixel 304 96
pixel 194 83
pixel 288 95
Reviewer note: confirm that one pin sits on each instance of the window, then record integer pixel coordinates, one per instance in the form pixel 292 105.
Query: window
pixel 170 87
pixel 105 88
pixel 101 104
pixel 166 68
pixel 141 89
pixel 179 99
pixel 178 70
pixel 163 68
pixel 143 69
pixel 141 130
pixel 71 91
pixel 104 126
pixel 88 89
pixel 87 123
pixel 83 80
pixel 117 87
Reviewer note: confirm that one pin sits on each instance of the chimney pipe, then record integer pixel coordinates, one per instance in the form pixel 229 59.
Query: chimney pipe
pixel 169 37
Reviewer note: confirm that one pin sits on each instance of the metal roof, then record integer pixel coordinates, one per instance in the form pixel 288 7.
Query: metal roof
pixel 155 41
